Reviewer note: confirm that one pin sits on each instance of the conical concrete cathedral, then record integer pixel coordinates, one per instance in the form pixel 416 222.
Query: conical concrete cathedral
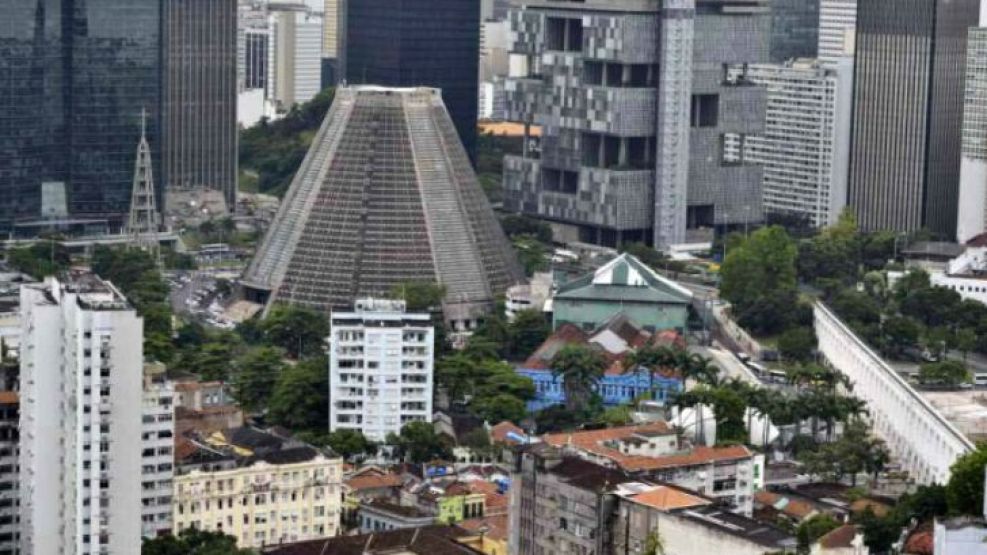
pixel 386 195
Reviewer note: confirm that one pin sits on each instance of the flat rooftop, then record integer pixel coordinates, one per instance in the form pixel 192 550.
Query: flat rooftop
pixel 966 409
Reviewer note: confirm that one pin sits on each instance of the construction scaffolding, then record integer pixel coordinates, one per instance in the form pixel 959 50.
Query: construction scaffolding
pixel 385 196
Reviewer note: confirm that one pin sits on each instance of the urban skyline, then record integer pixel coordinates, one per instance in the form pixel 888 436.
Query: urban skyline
pixel 493 277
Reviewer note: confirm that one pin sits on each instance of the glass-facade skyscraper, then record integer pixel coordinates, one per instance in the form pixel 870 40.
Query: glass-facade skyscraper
pixel 908 108
pixel 74 78
pixel 409 43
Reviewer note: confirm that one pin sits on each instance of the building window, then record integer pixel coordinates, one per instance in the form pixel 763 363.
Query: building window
pixel 705 110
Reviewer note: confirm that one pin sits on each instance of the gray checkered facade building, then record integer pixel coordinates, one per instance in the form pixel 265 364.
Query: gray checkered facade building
pixel 632 101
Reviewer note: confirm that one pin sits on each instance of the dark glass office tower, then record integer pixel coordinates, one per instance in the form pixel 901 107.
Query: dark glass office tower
pixel 404 43
pixel 794 29
pixel 74 77
pixel 908 104
pixel 200 143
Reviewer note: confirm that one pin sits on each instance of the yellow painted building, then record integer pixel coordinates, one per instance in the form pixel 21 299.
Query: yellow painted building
pixel 287 496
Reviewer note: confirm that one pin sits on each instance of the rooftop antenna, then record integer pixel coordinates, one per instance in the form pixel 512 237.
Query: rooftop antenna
pixel 143 222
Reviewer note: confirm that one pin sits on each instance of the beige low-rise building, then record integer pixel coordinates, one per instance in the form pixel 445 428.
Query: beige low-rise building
pixel 287 495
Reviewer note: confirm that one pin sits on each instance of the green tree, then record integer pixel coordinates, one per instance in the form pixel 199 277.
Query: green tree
pixel 274 150
pixel 580 368
pixel 900 332
pixel 300 400
pixel 947 372
pixel 42 259
pixel 255 375
pixel 300 331
pixel 812 529
pixel 515 225
pixel 933 306
pixel 797 344
pixel 418 443
pixel 420 296
pixel 499 407
pixel 965 490
pixel 966 341
pixel 527 332
pixel 759 277
pixel 135 273
pixel 193 541
pixel 210 361
pixel 347 443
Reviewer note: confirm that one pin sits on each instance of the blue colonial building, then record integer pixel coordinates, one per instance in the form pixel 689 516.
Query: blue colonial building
pixel 614 339
pixel 614 389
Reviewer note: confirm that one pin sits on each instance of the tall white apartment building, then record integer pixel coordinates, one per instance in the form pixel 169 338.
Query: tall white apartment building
pixel 805 146
pixel 157 454
pixel 81 392
pixel 380 368
pixel 837 29
pixel 295 57
pixel 972 217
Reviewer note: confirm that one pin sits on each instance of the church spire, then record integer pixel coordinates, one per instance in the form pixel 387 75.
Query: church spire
pixel 143 223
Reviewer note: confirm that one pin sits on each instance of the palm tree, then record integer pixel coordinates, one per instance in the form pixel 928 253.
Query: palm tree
pixel 580 368
pixel 696 398
pixel 652 359
pixel 699 368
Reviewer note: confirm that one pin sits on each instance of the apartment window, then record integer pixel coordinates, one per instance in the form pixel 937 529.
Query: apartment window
pixel 564 34
pixel 705 110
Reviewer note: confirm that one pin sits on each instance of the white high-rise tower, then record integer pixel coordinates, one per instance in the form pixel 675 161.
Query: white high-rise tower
pixel 81 390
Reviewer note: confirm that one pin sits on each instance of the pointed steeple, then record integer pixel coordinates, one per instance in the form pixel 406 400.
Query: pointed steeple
pixel 143 224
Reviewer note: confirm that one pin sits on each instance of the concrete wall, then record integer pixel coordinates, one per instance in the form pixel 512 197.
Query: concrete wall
pixel 919 437
pixel 592 314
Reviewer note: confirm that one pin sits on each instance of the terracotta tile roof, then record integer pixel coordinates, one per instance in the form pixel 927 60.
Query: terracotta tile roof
pixel 668 338
pixel 839 537
pixel 921 541
pixel 567 334
pixel 9 398
pixel 495 502
pixel 668 498
pixel 794 508
pixel 184 448
pixel 373 480
pixel 494 527
pixel 498 434
pixel 861 505
pixel 593 442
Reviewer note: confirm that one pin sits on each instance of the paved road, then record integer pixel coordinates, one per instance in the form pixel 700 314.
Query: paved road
pixel 728 363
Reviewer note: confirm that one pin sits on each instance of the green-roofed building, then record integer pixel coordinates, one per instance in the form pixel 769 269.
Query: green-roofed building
pixel 625 284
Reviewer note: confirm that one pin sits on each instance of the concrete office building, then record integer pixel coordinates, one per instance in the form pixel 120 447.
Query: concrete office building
pixel 908 104
pixel 81 387
pixel 972 216
pixel 200 93
pixel 157 452
pixel 294 57
pixel 633 131
pixel 794 29
pixel 380 368
pixel 837 29
pixel 431 44
pixel 805 146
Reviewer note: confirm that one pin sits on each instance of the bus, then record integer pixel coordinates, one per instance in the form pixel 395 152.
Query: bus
pixel 980 379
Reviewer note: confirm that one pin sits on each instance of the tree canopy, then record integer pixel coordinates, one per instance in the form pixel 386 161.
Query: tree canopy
pixel 193 541
pixel 758 278
pixel 275 149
